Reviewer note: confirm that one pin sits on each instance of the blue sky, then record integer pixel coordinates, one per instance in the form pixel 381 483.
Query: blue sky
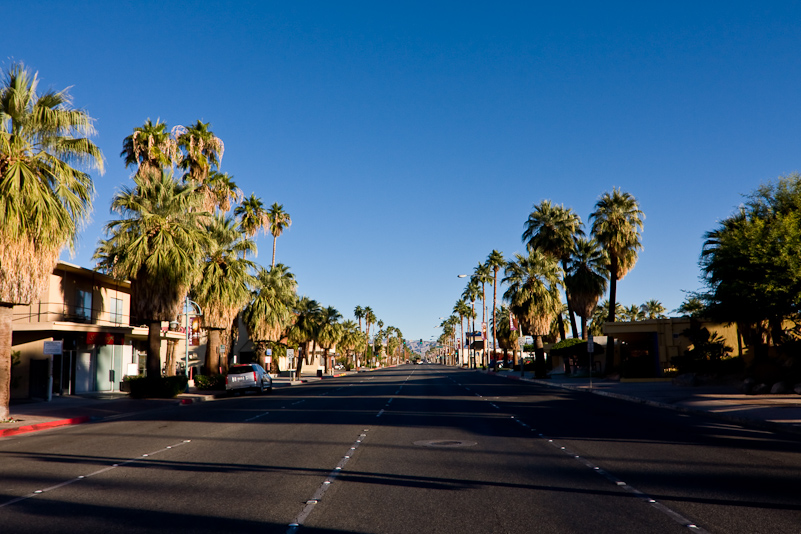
pixel 409 141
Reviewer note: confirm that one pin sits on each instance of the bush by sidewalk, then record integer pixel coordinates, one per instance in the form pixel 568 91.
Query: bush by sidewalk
pixel 210 382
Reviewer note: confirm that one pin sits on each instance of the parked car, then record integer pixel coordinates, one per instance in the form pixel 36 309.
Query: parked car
pixel 248 376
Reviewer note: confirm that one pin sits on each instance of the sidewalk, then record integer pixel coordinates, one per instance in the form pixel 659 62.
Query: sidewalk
pixel 767 412
pixel 35 415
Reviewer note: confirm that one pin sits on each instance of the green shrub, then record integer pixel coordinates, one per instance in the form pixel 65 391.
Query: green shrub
pixel 163 387
pixel 210 382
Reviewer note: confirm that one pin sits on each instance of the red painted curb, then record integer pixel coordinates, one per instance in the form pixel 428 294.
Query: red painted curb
pixel 43 426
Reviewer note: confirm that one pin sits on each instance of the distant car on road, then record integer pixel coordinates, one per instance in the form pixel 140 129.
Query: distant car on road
pixel 248 376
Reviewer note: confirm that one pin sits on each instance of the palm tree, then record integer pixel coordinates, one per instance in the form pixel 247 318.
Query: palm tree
pixel 471 293
pixel 533 294
pixel 306 327
pixel 350 338
pixel 330 332
pixel 219 191
pixel 158 244
pixel 203 151
pixel 369 319
pixel 43 197
pixel 554 229
pixel 507 336
pixel 653 309
pixel 224 285
pixel 692 307
pixel 482 274
pixel 600 315
pixel 279 221
pixel 495 261
pixel 616 225
pixel 632 313
pixel 252 216
pixel 586 279
pixel 151 148
pixel 463 311
pixel 270 310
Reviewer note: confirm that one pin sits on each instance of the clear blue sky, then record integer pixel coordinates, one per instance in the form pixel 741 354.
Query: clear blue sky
pixel 408 141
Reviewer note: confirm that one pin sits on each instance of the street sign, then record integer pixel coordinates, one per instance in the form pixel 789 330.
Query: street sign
pixel 290 353
pixel 53 348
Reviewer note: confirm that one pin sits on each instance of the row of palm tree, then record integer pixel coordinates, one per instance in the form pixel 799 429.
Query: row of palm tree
pixel 561 260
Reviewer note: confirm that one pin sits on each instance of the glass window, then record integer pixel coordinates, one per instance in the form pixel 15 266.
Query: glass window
pixel 116 310
pixel 83 305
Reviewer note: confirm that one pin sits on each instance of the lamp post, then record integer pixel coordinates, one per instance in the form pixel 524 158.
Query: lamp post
pixel 187 304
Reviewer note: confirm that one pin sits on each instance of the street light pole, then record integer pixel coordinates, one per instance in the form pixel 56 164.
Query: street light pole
pixel 187 304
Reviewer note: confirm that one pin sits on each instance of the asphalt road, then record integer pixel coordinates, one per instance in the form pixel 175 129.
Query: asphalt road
pixel 415 449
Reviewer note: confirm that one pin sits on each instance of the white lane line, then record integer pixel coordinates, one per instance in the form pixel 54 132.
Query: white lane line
pixel 380 413
pixel 298 402
pixel 677 517
pixel 94 473
pixel 256 417
pixel 389 401
pixel 318 495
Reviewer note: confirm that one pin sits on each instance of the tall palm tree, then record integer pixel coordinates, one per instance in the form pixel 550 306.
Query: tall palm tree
pixel 306 327
pixel 270 311
pixel 586 279
pixel 533 293
pixel 495 262
pixel 202 150
pixel 616 225
pixel 482 275
pixel 350 339
pixel 151 147
pixel 462 310
pixel 158 244
pixel 252 216
pixel 330 332
pixel 653 309
pixel 553 229
pixel 369 319
pixel 224 285
pixel 279 221
pixel 471 293
pixel 44 198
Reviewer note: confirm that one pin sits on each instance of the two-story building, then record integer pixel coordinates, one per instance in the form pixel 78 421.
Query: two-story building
pixel 77 337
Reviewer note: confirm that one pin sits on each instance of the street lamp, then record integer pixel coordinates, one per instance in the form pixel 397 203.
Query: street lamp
pixel 187 306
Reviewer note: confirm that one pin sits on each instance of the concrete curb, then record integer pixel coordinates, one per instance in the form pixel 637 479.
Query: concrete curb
pixel 44 426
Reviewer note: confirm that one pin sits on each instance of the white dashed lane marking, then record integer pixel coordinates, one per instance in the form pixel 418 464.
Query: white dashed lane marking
pixel 94 473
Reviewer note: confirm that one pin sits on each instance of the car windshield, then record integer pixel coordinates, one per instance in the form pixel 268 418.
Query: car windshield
pixel 240 369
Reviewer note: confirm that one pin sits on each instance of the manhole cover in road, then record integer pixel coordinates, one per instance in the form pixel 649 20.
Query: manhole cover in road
pixel 444 443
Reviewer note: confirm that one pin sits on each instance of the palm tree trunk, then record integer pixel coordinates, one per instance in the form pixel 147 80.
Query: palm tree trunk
pixel 325 360
pixel 299 366
pixel 274 240
pixel 610 341
pixel 261 352
pixel 274 367
pixel 213 348
pixel 483 323
pixel 584 329
pixel 570 311
pixel 153 362
pixel 539 357
pixel 494 296
pixel 5 360
pixel 170 364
